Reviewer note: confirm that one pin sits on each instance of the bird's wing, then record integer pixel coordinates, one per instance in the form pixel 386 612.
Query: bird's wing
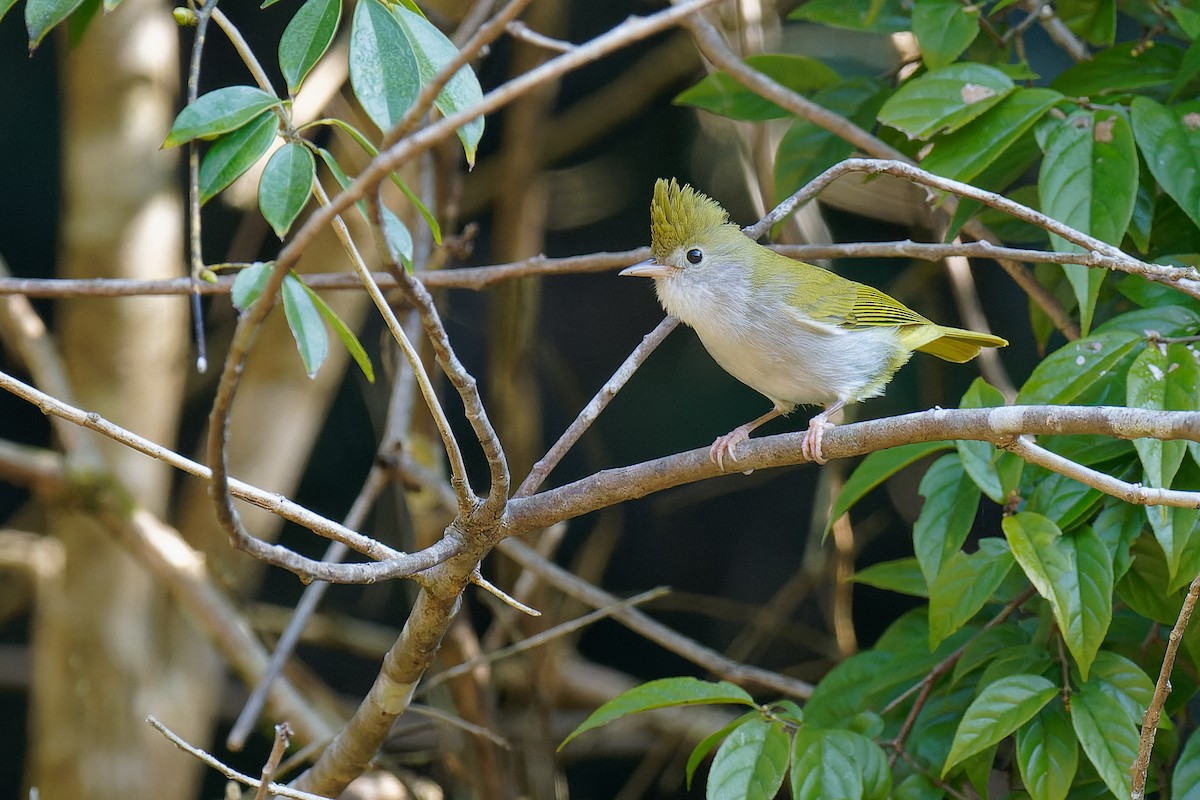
pixel 831 299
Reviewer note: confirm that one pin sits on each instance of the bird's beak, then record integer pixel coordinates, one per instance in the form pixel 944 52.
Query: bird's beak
pixel 647 269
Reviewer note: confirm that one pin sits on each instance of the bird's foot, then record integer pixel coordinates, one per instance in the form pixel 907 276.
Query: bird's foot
pixel 726 446
pixel 810 448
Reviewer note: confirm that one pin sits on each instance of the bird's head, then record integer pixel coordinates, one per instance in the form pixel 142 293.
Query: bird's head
pixel 688 230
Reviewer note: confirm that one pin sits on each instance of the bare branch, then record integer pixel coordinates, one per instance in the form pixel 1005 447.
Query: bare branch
pixel 1133 493
pixel 229 772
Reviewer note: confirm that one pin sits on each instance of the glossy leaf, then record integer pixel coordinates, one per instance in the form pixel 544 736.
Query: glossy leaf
pixel 705 745
pixel 876 468
pixel 1142 587
pixel 42 15
pixel 305 323
pixel 1117 526
pixel 878 16
pixel 944 100
pixel 951 503
pixel 248 284
pixel 1089 180
pixel 944 29
pixel 383 69
pixel 966 152
pixel 433 51
pixel 823 766
pixel 965 584
pixel 285 186
pixel 1061 499
pixel 985 646
pixel 218 112
pixel 806 149
pixel 720 94
pixel 1073 572
pixel 1123 68
pixel 306 38
pixel 342 330
pixel 1047 753
pixel 1185 779
pixel 1169 139
pixel 662 693
pixel 750 763
pixel 395 232
pixel 998 710
pixel 5 5
pixel 234 153
pixel 980 459
pixel 1074 371
pixel 1125 681
pixel 1108 736
pixel 903 576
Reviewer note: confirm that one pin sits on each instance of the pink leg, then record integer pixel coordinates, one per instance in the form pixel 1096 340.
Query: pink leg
pixel 810 448
pixel 726 445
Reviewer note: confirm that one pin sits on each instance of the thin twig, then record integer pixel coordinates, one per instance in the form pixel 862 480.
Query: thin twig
pixel 243 49
pixel 592 410
pixel 539 639
pixel 229 772
pixel 283 734
pixel 1162 688
pixel 1133 493
pixel 519 30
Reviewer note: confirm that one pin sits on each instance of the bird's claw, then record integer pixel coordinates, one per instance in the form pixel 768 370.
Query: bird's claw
pixel 727 446
pixel 810 447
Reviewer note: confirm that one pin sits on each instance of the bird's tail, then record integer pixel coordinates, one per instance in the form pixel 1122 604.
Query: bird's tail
pixel 959 345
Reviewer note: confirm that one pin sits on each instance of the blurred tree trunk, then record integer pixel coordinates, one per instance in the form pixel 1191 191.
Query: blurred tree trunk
pixel 110 648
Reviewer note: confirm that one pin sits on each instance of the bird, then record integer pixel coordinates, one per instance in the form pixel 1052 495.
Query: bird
pixel 794 332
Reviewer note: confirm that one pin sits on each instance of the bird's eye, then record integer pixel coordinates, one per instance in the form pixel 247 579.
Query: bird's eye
pixel 694 256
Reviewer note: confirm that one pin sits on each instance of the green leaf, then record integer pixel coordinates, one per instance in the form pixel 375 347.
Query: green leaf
pixel 1094 20
pixel 372 151
pixel 750 763
pixel 5 5
pixel 877 468
pixel 1185 780
pixel 1163 378
pixel 1047 753
pixel 1169 139
pixel 1188 69
pixel 986 646
pixel 951 503
pixel 1108 736
pixel 823 766
pixel 1073 572
pixel 218 112
pixel 944 29
pixel 395 233
pixel 285 186
pixel 249 283
pixel 878 16
pixel 347 337
pixel 1089 181
pixel 42 15
pixel 383 69
pixel 1126 681
pixel 1142 587
pixel 234 153
pixel 964 585
pixel 705 745
pixel 433 51
pixel 902 575
pixel 966 152
pixel 1118 525
pixel 662 693
pixel 806 149
pixel 306 38
pixel 720 94
pixel 979 459
pixel 1126 67
pixel 1063 500
pixel 305 323
pixel 1074 371
pixel 996 712
pixel 944 100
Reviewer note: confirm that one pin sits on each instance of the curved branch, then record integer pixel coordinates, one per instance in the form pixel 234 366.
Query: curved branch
pixel 996 425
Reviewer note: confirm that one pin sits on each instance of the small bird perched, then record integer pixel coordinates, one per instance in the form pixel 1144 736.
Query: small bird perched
pixel 795 332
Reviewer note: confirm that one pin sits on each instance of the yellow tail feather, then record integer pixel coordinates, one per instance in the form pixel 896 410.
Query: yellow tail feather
pixel 959 345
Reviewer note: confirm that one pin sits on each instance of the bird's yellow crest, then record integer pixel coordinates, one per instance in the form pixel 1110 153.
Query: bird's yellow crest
pixel 679 215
